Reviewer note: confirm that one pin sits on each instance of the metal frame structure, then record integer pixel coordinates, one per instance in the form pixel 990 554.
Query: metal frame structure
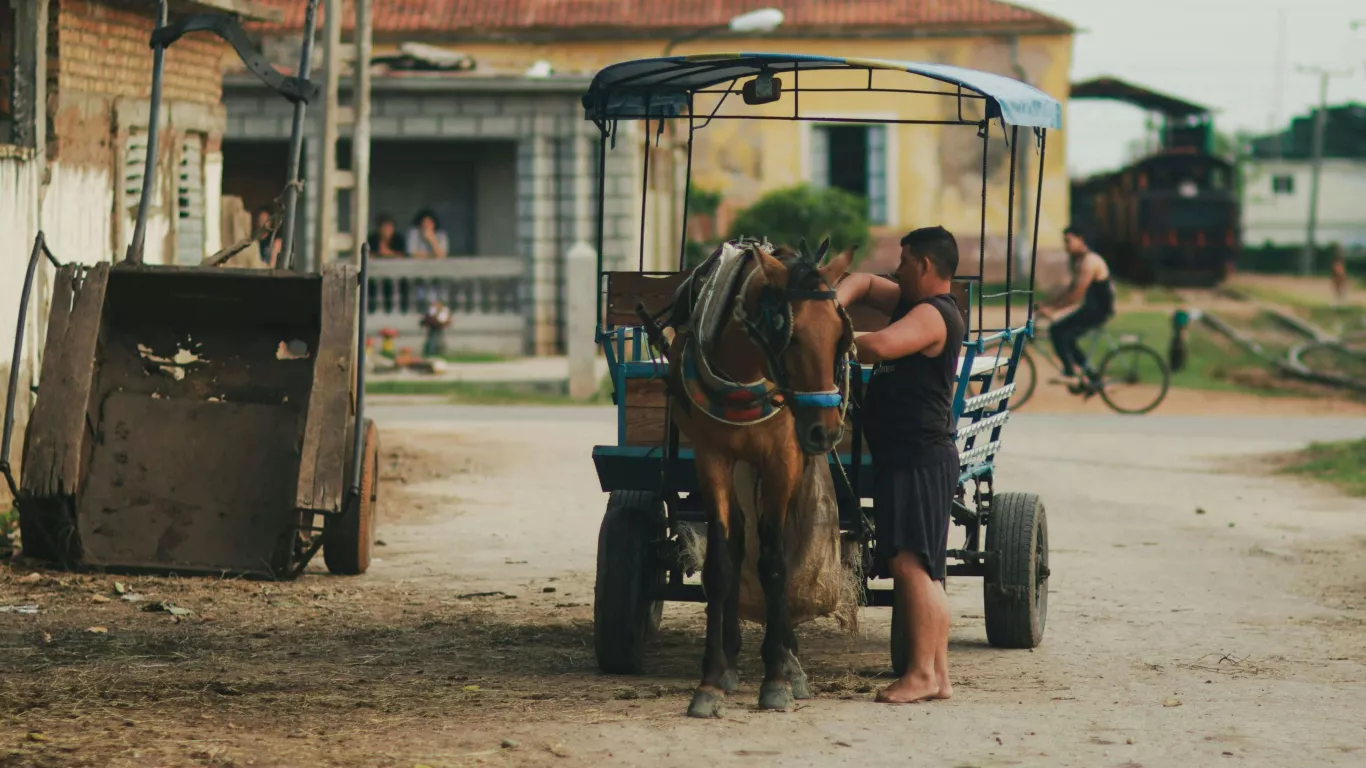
pixel 654 91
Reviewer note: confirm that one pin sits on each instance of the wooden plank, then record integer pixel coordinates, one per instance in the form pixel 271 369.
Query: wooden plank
pixel 626 289
pixel 322 464
pixel 59 313
pixel 58 425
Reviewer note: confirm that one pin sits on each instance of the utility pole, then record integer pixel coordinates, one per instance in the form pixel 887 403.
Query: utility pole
pixel 1320 123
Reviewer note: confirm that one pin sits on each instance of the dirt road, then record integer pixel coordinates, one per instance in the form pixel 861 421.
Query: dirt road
pixel 1201 611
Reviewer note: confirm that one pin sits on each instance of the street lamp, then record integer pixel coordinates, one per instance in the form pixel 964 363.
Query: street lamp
pixel 757 22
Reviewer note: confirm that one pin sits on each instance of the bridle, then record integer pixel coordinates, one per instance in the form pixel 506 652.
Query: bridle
pixel 772 329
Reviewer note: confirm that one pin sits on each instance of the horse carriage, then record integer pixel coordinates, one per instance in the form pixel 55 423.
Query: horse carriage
pixel 651 473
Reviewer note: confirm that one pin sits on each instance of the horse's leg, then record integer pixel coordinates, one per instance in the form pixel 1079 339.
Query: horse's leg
pixel 779 483
pixel 714 480
pixel 730 616
pixel 795 675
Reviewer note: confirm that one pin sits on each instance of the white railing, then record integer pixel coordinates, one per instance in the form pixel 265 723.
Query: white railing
pixel 486 296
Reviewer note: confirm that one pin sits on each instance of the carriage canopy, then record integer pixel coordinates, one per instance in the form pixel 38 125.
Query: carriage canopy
pixel 661 87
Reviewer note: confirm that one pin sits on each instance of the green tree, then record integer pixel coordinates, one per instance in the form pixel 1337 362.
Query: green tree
pixel 786 216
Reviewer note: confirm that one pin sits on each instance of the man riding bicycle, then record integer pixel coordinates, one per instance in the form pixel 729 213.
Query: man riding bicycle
pixel 1094 291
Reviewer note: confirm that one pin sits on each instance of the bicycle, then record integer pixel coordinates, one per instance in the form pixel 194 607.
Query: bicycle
pixel 1132 377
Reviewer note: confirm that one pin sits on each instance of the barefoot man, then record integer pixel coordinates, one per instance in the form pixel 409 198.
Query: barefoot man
pixel 908 418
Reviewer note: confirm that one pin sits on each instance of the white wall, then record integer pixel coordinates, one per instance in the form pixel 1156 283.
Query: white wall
pixel 77 212
pixel 1282 218
pixel 18 227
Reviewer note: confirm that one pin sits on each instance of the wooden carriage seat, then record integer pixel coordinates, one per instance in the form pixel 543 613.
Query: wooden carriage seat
pixel 644 394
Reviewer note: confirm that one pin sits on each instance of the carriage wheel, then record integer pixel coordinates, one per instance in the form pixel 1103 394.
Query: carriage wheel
pixel 626 606
pixel 1015 589
pixel 349 539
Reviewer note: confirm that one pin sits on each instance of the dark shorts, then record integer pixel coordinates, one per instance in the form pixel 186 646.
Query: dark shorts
pixel 912 500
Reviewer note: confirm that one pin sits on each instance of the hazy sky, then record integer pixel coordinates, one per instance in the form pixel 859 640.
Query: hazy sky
pixel 1220 53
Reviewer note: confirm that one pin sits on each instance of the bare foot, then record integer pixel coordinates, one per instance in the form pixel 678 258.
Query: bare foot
pixel 945 691
pixel 910 688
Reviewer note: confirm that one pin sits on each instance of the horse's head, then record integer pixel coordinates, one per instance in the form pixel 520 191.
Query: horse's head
pixel 805 337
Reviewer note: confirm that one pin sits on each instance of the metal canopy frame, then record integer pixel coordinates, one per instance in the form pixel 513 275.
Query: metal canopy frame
pixel 658 90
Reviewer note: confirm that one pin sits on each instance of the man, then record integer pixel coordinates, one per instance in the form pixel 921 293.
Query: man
pixel 908 417
pixel 1093 289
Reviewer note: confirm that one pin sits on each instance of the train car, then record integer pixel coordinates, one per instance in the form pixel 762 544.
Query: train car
pixel 1171 218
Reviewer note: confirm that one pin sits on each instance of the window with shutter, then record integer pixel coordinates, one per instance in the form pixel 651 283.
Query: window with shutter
pixel 189 225
pixel 134 161
pixel 877 174
pixel 820 157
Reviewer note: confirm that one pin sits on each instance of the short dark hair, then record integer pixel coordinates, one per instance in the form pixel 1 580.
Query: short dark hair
pixel 384 218
pixel 936 244
pixel 425 213
pixel 1075 231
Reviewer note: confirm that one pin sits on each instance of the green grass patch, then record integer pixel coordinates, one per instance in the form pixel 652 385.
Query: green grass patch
pixel 1212 362
pixel 473 357
pixel 1340 464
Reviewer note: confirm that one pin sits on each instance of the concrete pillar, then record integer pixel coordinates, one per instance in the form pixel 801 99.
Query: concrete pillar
pixel 585 191
pixel 581 282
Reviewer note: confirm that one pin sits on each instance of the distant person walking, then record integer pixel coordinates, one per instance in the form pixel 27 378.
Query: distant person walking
pixel 1339 275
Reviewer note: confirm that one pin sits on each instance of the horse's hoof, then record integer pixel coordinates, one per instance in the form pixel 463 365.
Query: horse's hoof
pixel 775 695
pixel 707 703
pixel 730 681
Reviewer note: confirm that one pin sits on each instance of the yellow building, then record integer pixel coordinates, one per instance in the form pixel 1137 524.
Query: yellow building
pixel 912 175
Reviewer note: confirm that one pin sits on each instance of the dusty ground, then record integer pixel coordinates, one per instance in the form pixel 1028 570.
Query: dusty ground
pixel 1201 611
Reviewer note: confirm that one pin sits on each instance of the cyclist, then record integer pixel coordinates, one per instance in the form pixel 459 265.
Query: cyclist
pixel 1093 290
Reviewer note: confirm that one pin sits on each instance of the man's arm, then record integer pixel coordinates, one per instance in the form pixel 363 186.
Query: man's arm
pixel 877 292
pixel 921 330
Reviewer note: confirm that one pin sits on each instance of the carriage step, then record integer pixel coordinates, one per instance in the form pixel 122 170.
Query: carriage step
pixel 991 422
pixel 979 454
pixel 988 398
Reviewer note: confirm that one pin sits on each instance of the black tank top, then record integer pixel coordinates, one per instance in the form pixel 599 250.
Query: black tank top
pixel 909 402
pixel 1100 297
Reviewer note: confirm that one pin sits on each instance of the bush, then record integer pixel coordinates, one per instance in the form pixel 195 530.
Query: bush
pixel 785 216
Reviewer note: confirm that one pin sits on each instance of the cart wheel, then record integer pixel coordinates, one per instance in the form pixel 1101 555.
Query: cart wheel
pixel 349 539
pixel 1026 378
pixel 1015 589
pixel 626 608
pixel 901 647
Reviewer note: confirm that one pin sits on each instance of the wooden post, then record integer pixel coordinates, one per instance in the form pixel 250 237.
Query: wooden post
pixel 581 296
pixel 327 187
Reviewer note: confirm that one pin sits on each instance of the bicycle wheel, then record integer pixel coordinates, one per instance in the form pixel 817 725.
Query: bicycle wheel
pixel 1133 379
pixel 1026 377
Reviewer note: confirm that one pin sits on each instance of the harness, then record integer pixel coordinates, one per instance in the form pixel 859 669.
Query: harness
pixel 770 328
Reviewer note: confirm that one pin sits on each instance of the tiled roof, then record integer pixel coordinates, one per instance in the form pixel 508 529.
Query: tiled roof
pixel 509 17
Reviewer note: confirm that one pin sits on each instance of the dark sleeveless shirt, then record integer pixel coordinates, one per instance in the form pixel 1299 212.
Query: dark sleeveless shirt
pixel 909 401
pixel 1100 297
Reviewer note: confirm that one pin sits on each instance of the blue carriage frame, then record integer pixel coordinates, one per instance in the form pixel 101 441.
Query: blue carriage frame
pixel 661 89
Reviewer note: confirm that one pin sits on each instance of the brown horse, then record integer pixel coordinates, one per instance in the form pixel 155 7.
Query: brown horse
pixel 768 388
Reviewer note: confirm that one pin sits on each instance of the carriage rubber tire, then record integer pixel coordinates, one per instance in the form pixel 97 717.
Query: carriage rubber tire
pixel 349 539
pixel 1015 589
pixel 626 604
pixel 901 645
pixel 1022 394
pixel 1143 349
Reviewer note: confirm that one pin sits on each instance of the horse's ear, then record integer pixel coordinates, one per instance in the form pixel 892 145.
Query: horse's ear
pixel 835 269
pixel 823 250
pixel 803 250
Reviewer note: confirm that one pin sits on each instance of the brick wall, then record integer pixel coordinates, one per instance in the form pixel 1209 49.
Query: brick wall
pixel 99 47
